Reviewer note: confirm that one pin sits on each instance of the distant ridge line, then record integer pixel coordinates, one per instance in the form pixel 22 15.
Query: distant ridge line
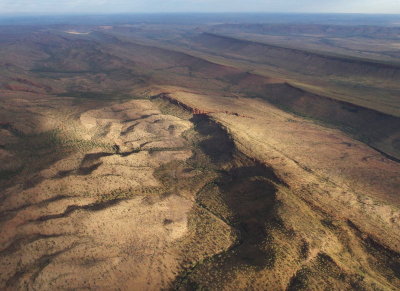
pixel 355 60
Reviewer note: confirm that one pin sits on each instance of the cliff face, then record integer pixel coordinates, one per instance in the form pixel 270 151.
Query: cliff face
pixel 377 129
pixel 297 60
pixel 320 180
pixel 313 29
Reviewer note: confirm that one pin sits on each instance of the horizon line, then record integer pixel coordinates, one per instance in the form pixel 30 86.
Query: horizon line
pixel 189 12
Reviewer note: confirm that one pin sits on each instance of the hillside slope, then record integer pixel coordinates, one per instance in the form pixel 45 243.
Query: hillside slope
pixel 125 165
pixel 305 62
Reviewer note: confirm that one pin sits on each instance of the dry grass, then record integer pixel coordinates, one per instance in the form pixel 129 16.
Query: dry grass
pixel 265 201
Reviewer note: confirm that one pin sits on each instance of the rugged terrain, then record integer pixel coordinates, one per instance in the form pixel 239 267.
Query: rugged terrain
pixel 149 157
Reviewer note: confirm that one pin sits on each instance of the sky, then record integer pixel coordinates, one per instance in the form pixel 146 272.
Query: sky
pixel 156 6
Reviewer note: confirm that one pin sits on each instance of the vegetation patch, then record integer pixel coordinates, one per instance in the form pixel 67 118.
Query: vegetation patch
pixel 38 151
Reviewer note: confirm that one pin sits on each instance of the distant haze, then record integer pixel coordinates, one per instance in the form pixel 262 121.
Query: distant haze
pixel 156 6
